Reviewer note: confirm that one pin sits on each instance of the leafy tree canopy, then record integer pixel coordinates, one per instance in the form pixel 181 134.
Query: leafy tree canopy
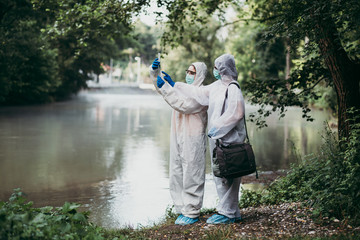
pixel 49 48
pixel 326 33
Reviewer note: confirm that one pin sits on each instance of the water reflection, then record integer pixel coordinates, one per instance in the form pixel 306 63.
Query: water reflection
pixel 110 151
pixel 279 144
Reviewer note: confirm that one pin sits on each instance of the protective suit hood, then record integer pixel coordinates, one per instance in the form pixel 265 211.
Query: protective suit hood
pixel 201 71
pixel 226 66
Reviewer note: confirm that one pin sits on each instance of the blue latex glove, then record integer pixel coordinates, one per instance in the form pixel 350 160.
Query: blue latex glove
pixel 212 132
pixel 159 82
pixel 155 64
pixel 168 79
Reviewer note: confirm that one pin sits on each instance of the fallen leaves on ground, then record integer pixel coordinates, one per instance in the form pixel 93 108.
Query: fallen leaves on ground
pixel 269 222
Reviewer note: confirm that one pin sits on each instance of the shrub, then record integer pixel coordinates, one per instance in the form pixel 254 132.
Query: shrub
pixel 19 220
pixel 329 180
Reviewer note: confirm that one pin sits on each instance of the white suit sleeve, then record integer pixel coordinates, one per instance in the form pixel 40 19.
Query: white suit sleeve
pixel 233 113
pixel 180 101
pixel 197 94
pixel 182 97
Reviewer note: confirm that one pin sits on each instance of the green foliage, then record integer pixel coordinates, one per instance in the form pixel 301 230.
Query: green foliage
pixel 327 98
pixel 193 35
pixel 170 214
pixel 28 71
pixel 146 41
pixel 19 220
pixel 329 181
pixel 243 47
pixel 291 28
pixel 187 19
pixel 307 24
pixel 85 34
pixel 48 49
pixel 250 198
pixel 297 19
pixel 206 48
pixel 270 56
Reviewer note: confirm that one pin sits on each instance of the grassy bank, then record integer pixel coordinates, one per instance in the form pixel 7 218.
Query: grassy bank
pixel 19 220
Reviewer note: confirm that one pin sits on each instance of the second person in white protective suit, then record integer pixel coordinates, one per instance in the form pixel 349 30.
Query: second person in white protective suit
pixel 227 126
pixel 187 143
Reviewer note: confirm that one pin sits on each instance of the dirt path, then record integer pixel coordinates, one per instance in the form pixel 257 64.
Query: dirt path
pixel 269 222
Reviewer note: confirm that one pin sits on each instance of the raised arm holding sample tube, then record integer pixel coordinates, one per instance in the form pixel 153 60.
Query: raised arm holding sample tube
pixel 187 142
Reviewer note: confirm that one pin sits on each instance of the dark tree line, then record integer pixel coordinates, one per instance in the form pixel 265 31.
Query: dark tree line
pixel 49 48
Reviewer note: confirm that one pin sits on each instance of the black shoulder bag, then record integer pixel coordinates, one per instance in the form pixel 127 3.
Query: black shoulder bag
pixel 234 160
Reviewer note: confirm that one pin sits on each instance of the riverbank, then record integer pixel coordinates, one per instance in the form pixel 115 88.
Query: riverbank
pixel 263 177
pixel 285 221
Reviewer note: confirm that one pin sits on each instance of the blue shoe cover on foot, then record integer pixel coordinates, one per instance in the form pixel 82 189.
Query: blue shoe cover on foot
pixel 238 219
pixel 177 221
pixel 220 219
pixel 186 220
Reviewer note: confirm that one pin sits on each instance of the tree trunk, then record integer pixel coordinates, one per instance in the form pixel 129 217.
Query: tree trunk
pixel 345 74
pixel 288 59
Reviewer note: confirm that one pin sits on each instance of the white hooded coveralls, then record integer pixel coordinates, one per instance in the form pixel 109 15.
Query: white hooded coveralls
pixel 229 126
pixel 187 145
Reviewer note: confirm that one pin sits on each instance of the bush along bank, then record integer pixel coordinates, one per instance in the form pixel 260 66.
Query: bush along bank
pixel 19 220
pixel 328 181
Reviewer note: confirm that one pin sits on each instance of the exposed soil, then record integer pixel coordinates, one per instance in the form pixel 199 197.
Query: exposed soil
pixel 263 177
pixel 268 222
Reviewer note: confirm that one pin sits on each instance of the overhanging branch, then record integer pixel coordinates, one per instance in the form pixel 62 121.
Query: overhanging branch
pixel 248 19
pixel 308 89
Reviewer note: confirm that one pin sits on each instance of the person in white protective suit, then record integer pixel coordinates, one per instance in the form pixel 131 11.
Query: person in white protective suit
pixel 187 143
pixel 227 126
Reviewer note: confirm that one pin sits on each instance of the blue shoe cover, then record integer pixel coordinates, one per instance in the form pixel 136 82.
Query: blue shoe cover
pixel 238 219
pixel 177 221
pixel 186 220
pixel 220 219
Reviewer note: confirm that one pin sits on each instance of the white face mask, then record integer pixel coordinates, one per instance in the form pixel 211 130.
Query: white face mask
pixel 189 79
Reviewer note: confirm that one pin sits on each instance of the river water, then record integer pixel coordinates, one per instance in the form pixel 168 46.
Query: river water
pixel 109 151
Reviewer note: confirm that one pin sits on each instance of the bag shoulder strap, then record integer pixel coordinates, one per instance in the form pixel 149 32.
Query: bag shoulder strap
pixel 223 107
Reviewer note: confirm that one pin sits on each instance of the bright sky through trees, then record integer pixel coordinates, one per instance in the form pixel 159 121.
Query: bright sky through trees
pixel 149 17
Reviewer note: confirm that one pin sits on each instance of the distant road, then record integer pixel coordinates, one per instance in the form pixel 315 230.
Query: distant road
pixel 122 88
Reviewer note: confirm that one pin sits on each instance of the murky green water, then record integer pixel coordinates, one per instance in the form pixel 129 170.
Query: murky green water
pixel 109 151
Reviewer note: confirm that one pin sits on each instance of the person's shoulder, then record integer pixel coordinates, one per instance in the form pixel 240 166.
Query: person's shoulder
pixel 234 88
pixel 234 84
pixel 216 83
pixel 208 85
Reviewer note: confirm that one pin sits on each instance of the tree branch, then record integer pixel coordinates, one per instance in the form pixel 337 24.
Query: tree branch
pixel 247 19
pixel 308 89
